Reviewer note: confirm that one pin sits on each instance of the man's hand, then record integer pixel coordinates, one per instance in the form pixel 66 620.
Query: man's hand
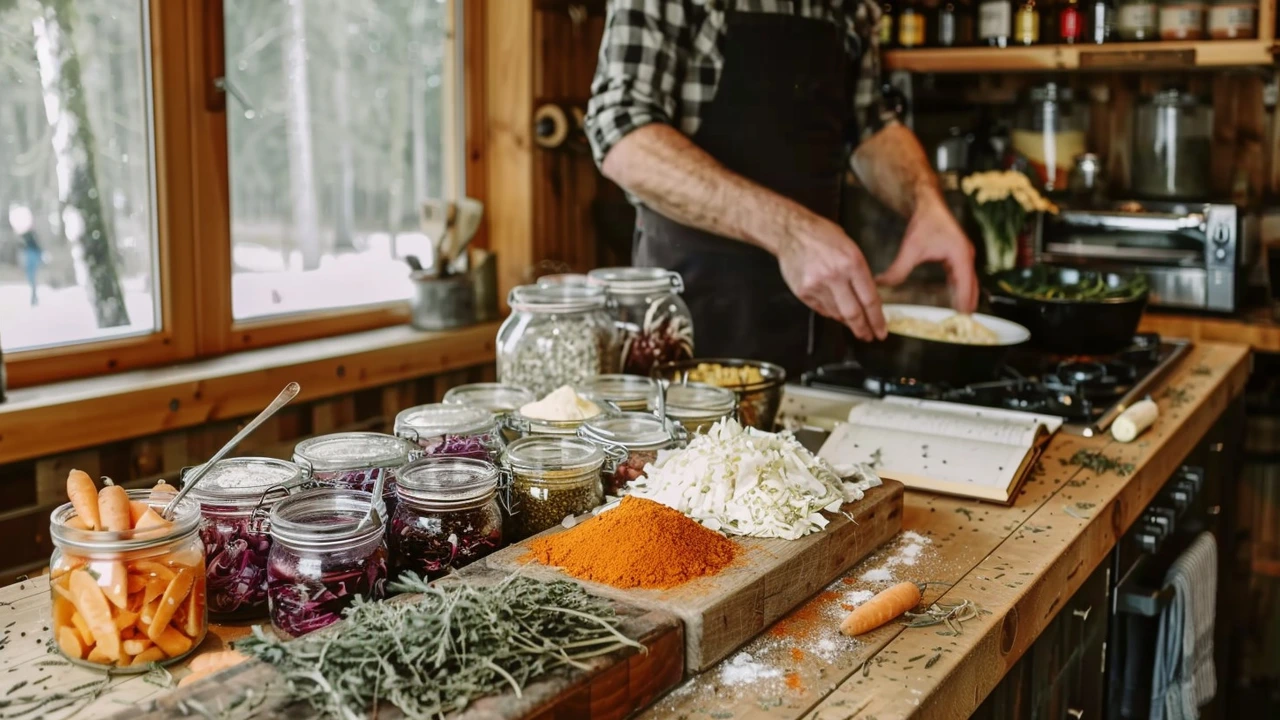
pixel 934 236
pixel 825 269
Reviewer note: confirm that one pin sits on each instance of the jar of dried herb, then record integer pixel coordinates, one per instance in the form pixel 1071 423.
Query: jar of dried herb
pixel 639 436
pixel 698 406
pixel 629 393
pixel 551 477
pixel 656 324
pixel 448 515
pixel 440 429
pixel 556 335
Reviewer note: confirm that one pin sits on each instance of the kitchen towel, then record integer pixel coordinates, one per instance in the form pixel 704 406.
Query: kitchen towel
pixel 1183 679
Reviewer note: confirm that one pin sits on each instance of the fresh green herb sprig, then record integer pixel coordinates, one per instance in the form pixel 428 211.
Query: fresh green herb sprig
pixel 435 655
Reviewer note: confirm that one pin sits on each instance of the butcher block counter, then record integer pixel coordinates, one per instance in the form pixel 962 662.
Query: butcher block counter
pixel 1017 564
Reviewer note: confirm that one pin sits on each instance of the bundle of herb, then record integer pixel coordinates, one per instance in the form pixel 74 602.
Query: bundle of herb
pixel 457 643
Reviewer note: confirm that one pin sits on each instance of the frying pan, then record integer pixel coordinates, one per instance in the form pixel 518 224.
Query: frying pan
pixel 1073 327
pixel 937 361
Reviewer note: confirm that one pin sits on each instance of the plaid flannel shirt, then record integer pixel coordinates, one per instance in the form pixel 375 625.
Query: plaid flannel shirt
pixel 660 61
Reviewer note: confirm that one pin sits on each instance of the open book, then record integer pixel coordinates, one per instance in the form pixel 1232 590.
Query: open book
pixel 943 447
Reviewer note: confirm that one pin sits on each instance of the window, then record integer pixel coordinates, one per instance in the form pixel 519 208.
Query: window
pixel 336 128
pixel 78 247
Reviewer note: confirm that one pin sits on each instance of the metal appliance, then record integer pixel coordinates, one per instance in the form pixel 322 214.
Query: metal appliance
pixel 1193 253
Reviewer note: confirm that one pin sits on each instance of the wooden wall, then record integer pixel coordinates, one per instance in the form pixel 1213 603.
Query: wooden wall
pixel 29 490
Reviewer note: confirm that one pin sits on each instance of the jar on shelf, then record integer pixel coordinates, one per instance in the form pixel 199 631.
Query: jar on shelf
pixel 321 559
pixel 1182 19
pixel 995 22
pixel 555 335
pixel 446 429
pixel 698 406
pixel 1049 132
pixel 637 436
pixel 100 582
pixel 354 460
pixel 1233 20
pixel 629 393
pixel 551 478
pixel 1137 20
pixel 953 24
pixel 1102 22
pixel 236 497
pixel 497 398
pixel 447 518
pixel 656 324
pixel 911 25
pixel 1026 23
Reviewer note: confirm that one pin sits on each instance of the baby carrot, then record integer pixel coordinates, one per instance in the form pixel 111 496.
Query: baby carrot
pixel 83 495
pixel 882 608
pixel 113 509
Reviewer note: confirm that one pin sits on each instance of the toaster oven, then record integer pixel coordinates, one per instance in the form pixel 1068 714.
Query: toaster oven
pixel 1190 252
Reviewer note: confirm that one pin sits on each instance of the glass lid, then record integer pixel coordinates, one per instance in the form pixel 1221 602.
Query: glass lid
pixel 494 397
pixel 238 477
pixel 438 419
pixel 634 430
pixel 686 400
pixel 552 452
pixel 624 280
pixel 447 478
pixel 351 451
pixel 556 298
pixel 621 389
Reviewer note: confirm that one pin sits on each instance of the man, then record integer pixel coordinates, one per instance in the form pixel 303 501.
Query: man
pixel 23 224
pixel 730 122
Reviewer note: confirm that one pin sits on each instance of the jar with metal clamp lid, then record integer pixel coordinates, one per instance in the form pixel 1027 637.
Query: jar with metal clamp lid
pixel 656 324
pixel 698 406
pixel 236 497
pixel 629 393
pixel 354 460
pixel 639 436
pixel 448 515
pixel 101 580
pixel 442 429
pixel 556 335
pixel 322 559
pixel 551 478
pixel 497 398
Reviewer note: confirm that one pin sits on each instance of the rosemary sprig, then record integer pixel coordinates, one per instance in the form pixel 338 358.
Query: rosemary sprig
pixel 433 656
pixel 953 615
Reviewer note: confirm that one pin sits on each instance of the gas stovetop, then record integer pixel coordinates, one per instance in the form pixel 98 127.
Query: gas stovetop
pixel 1087 392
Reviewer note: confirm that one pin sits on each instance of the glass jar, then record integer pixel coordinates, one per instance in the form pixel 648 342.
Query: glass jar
pixel 1049 133
pixel 236 498
pixel 441 429
pixel 629 393
pixel 1233 20
pixel 1172 145
pixel 953 24
pixel 1136 20
pixel 885 26
pixel 1026 23
pixel 123 600
pixel 448 516
pixel 321 560
pixel 499 399
pixel 639 436
pixel 1182 19
pixel 995 22
pixel 551 478
pixel 1102 22
pixel 354 460
pixel 555 335
pixel 911 25
pixel 656 324
pixel 1071 22
pixel 698 406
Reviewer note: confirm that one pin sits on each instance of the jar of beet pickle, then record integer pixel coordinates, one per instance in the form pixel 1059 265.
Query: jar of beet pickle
pixel 321 560
pixel 629 393
pixel 441 429
pixel 639 436
pixel 656 325
pixel 447 518
pixel 125 599
pixel 551 478
pixel 354 460
pixel 698 406
pixel 236 497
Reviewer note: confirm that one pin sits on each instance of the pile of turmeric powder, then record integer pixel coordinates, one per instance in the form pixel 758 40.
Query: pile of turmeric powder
pixel 638 544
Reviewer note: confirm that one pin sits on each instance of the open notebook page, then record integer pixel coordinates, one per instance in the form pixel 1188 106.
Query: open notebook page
pixel 956 420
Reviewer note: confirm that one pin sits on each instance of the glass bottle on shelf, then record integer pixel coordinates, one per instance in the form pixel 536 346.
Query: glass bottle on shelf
pixel 1182 19
pixel 1228 20
pixel 911 25
pixel 1102 22
pixel 1136 20
pixel 995 22
pixel 1026 24
pixel 953 24
pixel 1070 22
pixel 886 26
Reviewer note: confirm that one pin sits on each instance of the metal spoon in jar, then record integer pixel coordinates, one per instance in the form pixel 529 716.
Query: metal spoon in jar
pixel 289 392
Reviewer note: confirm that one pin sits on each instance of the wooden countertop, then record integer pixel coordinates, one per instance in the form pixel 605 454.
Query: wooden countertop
pixel 1018 563
pixel 1256 327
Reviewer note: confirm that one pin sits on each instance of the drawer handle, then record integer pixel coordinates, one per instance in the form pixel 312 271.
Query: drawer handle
pixel 1083 615
pixel 1077 714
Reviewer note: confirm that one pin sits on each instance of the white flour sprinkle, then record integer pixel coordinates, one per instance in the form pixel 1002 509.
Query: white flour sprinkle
pixel 909 548
pixel 743 669
pixel 876 575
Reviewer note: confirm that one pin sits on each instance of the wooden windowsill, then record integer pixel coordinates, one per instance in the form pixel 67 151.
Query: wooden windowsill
pixel 58 417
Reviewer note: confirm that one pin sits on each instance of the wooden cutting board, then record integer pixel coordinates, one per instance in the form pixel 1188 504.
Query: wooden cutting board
pixel 771 577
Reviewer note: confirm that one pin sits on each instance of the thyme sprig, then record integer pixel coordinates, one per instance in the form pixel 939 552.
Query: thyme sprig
pixel 433 656
pixel 953 615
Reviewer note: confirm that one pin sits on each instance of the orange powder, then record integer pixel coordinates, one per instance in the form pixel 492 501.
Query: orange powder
pixel 638 544
pixel 794 682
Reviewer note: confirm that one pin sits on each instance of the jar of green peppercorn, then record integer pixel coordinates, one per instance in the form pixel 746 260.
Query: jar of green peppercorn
pixel 551 477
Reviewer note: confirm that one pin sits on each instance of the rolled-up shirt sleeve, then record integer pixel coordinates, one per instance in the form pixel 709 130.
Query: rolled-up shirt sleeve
pixel 639 69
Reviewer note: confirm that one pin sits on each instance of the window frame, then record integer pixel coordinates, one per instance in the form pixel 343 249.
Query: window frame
pixel 193 205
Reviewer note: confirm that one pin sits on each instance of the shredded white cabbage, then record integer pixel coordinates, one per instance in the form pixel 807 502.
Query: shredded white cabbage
pixel 745 481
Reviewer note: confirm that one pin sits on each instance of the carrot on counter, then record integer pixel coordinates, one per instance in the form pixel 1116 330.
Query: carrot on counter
pixel 113 509
pixel 882 608
pixel 84 498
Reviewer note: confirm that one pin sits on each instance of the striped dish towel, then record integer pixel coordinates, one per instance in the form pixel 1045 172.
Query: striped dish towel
pixel 1184 678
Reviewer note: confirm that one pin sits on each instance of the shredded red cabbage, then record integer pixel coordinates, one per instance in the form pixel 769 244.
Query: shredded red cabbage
pixel 365 479
pixel 432 545
pixel 468 446
pixel 301 602
pixel 236 566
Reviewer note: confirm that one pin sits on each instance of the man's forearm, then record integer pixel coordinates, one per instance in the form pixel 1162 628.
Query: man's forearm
pixel 893 166
pixel 673 176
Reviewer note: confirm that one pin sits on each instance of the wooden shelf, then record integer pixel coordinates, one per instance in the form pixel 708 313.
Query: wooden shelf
pixel 1116 56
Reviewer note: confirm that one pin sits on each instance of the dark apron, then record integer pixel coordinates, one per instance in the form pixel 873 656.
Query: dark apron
pixel 781 117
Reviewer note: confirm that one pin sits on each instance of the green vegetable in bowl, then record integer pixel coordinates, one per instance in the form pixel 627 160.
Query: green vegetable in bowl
pixel 1089 286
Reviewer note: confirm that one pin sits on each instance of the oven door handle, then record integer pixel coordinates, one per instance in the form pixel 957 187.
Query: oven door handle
pixel 1148 222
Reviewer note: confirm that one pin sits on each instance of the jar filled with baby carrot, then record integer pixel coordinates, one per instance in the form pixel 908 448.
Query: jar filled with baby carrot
pixel 127 585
